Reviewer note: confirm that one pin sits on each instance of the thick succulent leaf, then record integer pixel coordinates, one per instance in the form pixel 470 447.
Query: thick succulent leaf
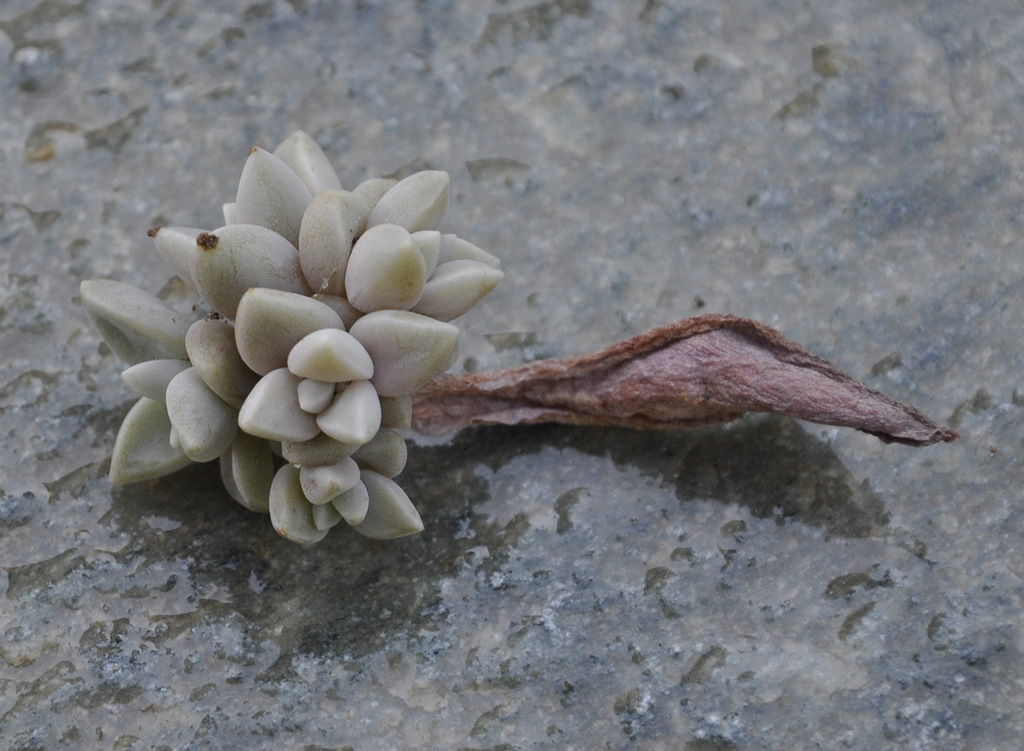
pixel 429 243
pixel 211 348
pixel 230 213
pixel 353 504
pixel 290 512
pixel 386 270
pixel 315 396
pixel 136 325
pixel 271 195
pixel 408 349
pixel 417 202
pixel 177 247
pixel 150 378
pixel 372 190
pixel 354 415
pixel 271 322
pixel 204 424
pixel 307 160
pixel 396 411
pixel 456 287
pixel 329 227
pixel 142 450
pixel 317 451
pixel 324 484
pixel 238 257
pixel 325 516
pixel 385 454
pixel 330 355
pixel 272 410
pixel 247 470
pixel 345 310
pixel 390 513
pixel 454 248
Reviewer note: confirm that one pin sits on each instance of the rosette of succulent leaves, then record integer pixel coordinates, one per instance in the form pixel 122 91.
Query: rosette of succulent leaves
pixel 327 309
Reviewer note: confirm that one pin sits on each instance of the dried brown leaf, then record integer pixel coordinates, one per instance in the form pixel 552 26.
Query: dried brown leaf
pixel 694 372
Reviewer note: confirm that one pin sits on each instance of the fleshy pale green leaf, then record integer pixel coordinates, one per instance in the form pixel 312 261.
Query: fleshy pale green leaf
pixel 204 424
pixel 372 190
pixel 290 512
pixel 135 324
pixel 386 270
pixel 307 160
pixel 142 450
pixel 390 513
pixel 396 411
pixel 150 378
pixel 329 227
pixel 177 247
pixel 238 257
pixel 272 410
pixel 354 415
pixel 330 355
pixel 247 470
pixel 417 202
pixel 271 322
pixel 454 248
pixel 456 287
pixel 271 195
pixel 211 348
pixel 408 349
pixel 317 451
pixel 315 396
pixel 325 516
pixel 323 484
pixel 429 243
pixel 385 454
pixel 353 504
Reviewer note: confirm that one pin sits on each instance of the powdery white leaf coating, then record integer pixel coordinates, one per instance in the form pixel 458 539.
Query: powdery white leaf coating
pixel 429 243
pixel 142 450
pixel 150 378
pixel 325 516
pixel 329 227
pixel 238 257
pixel 454 248
pixel 354 415
pixel 317 451
pixel 204 425
pixel 325 483
pixel 353 504
pixel 290 512
pixel 386 270
pixel 417 202
pixel 408 349
pixel 372 190
pixel 136 325
pixel 272 410
pixel 271 195
pixel 330 355
pixel 247 471
pixel 385 454
pixel 271 322
pixel 396 411
pixel 177 247
pixel 390 513
pixel 230 213
pixel 309 162
pixel 456 287
pixel 211 348
pixel 314 396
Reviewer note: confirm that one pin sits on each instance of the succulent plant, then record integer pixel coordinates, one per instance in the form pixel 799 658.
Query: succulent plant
pixel 328 308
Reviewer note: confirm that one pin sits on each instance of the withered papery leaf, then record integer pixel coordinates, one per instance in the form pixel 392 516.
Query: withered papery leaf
pixel 694 372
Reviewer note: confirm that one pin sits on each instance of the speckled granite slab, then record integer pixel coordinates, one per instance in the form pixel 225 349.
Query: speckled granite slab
pixel 849 173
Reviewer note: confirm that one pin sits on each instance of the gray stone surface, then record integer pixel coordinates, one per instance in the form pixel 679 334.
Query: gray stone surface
pixel 850 173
